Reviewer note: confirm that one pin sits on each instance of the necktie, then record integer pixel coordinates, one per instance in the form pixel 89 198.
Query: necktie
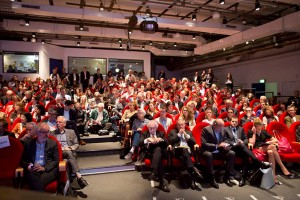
pixel 234 134
pixel 218 136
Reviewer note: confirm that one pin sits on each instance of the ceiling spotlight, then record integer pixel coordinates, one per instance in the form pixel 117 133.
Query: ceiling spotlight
pixel 33 35
pixel 224 49
pixel 121 46
pixel 257 5
pixel 194 37
pixel 194 17
pixel 101 6
pixel 33 39
pixel 150 43
pixel 81 27
pixel 175 44
pixel 25 39
pixel 164 49
pixel 78 43
pixel 244 22
pixel 120 40
pixel 247 42
pixel 143 47
pixel 222 2
pixel 43 41
pixel 148 11
pixel 27 22
pixel 129 32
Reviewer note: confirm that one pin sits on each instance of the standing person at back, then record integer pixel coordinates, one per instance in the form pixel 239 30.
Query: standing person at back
pixel 97 76
pixel 85 79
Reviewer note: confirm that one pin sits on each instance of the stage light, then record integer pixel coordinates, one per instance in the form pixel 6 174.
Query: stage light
pixel 27 22
pixel 194 17
pixel 150 43
pixel 143 47
pixel 194 37
pixel 78 43
pixel 120 40
pixel 101 6
pixel 257 5
pixel 121 46
pixel 222 2
pixel 43 41
pixel 175 44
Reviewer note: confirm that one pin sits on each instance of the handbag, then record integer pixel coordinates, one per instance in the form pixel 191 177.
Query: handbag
pixel 256 177
pixel 283 144
pixel 267 180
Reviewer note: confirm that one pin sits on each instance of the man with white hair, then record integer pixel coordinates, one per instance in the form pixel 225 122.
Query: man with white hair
pixel 99 120
pixel 137 127
pixel 130 76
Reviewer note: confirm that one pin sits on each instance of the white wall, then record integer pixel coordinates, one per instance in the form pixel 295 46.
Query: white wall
pixel 47 51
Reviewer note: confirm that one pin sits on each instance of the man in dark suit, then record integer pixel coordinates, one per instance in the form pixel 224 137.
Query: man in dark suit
pixel 40 159
pixel 74 78
pixel 161 74
pixel 229 105
pixel 213 146
pixel 196 78
pixel 97 76
pixel 176 102
pixel 84 79
pixel 182 142
pixel 70 116
pixel 3 129
pixel 69 144
pixel 153 145
pixel 238 141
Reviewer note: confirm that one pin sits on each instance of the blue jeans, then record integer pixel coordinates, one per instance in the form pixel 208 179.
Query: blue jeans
pixel 136 138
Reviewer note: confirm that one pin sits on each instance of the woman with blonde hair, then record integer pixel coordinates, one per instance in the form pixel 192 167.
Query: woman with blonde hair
pixel 188 117
pixel 264 148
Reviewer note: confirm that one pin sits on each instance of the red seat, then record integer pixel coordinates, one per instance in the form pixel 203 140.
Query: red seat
pixel 10 161
pixel 200 118
pixel 256 108
pixel 253 102
pixel 282 116
pixel 17 120
pixel 292 135
pixel 276 108
pixel 51 103
pixel 223 115
pixel 284 131
pixel 247 126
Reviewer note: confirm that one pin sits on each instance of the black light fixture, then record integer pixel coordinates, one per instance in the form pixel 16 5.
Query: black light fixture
pixel 101 8
pixel 129 32
pixel 164 49
pixel 43 41
pixel 194 17
pixel 222 2
pixel 33 35
pixel 148 11
pixel 175 44
pixel 257 5
pixel 120 40
pixel 121 46
pixel 224 21
pixel 143 47
pixel 194 36
pixel 150 43
pixel 78 43
pixel 26 22
pixel 81 26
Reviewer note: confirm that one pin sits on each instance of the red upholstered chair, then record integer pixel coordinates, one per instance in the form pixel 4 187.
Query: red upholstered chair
pixel 239 109
pixel 253 102
pixel 27 106
pixel 256 108
pixel 282 116
pixel 276 108
pixel 292 136
pixel 17 120
pixel 62 179
pixel 51 103
pixel 247 126
pixel 284 131
pixel 10 161
pixel 223 115
pixel 200 117
pixel 220 108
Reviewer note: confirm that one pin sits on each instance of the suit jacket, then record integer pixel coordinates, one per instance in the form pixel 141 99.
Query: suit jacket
pixel 96 77
pixel 94 115
pixel 7 133
pixel 229 138
pixel 174 139
pixel 72 113
pixel 159 134
pixel 288 120
pixel 51 154
pixel 72 140
pixel 82 80
pixel 180 104
pixel 235 111
pixel 71 79
pixel 209 140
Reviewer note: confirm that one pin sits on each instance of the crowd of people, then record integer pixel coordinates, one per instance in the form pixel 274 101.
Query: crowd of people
pixel 68 107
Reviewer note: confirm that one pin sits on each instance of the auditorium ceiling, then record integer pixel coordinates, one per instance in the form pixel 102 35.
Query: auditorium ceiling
pixel 188 30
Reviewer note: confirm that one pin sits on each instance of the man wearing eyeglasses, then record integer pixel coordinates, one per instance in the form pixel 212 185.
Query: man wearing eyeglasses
pixel 238 141
pixel 40 159
pixel 69 144
pixel 248 117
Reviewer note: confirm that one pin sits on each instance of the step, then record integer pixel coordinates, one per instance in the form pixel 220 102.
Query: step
pixel 94 138
pixel 105 170
pixel 101 161
pixel 96 149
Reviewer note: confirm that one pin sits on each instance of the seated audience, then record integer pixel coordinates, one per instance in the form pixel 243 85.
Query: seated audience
pixel 209 117
pixel 69 144
pixel 248 117
pixel 265 144
pixel 291 116
pixel 19 127
pixel 40 159
pixel 31 130
pixel 163 119
pixel 99 120
pixel 153 145
pixel 188 117
pixel 3 129
pixel 269 116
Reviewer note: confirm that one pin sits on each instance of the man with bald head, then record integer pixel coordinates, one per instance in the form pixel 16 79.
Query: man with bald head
pixel 213 146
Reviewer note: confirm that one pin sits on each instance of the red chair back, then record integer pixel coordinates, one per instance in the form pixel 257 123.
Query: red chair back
pixel 256 108
pixel 197 131
pixel 159 128
pixel 282 116
pixel 10 159
pixel 51 103
pixel 280 127
pixel 200 118
pixel 276 108
pixel 247 126
pixel 220 108
pixel 17 120
pixel 239 108
pixel 253 101
pixel 223 115
pixel 227 124
pixel 173 126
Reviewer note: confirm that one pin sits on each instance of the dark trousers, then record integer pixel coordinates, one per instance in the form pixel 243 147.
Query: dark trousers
pixel 243 152
pixel 228 156
pixel 184 155
pixel 72 125
pixel 156 154
pixel 39 180
pixel 70 156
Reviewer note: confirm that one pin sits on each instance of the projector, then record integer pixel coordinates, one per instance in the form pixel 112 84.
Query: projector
pixel 149 26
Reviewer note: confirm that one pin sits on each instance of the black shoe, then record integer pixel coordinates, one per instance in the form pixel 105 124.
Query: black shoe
pixel 197 174
pixel 228 181
pixel 82 183
pixel 242 182
pixel 86 134
pixel 163 186
pixel 193 185
pixel 152 176
pixel 214 184
pixel 265 165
